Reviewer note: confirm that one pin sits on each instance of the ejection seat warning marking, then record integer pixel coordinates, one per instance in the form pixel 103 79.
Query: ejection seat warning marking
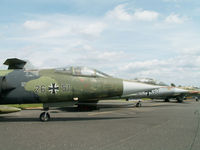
pixel 148 93
pixel 53 88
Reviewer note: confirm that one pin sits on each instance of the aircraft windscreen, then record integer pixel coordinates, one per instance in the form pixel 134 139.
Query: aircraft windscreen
pixel 66 70
pixel 82 71
pixel 162 84
pixel 151 81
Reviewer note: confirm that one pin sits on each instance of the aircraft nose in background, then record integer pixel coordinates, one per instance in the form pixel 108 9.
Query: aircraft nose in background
pixel 134 87
pixel 177 90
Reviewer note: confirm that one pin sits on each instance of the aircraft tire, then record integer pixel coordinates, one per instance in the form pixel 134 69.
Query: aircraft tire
pixel 166 100
pixel 44 117
pixel 139 104
pixel 179 99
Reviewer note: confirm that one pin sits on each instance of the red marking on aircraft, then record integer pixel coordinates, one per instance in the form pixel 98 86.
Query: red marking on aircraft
pixel 81 79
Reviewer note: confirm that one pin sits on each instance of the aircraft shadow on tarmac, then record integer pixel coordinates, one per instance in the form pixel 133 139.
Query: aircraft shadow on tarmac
pixel 161 105
pixel 8 119
pixel 158 106
pixel 172 102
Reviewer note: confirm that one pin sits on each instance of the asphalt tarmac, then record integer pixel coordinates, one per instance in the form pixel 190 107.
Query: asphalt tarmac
pixel 155 126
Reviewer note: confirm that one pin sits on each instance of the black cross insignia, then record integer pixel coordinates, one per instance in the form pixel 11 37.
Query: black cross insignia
pixel 148 93
pixel 53 88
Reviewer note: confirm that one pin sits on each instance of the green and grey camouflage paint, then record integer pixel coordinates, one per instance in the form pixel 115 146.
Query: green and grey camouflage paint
pixel 50 86
pixel 69 85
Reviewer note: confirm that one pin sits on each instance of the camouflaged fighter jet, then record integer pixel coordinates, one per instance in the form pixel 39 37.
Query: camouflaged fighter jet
pixel 69 86
pixel 164 92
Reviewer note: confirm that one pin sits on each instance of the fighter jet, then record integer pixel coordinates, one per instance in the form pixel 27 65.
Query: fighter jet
pixel 194 92
pixel 61 87
pixel 164 92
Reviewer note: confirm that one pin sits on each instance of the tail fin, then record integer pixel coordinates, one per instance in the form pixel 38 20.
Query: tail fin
pixel 15 63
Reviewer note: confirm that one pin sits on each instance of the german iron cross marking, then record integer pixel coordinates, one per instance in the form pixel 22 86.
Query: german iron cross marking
pixel 53 88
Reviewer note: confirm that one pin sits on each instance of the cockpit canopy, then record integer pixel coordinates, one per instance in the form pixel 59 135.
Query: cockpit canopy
pixel 150 81
pixel 81 71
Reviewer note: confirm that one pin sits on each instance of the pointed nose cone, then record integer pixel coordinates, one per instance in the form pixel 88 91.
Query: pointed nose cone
pixel 134 87
pixel 180 91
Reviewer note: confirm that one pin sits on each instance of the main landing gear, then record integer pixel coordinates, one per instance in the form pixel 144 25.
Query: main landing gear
pixel 45 116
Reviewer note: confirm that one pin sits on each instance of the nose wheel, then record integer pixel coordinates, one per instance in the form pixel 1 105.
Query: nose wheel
pixel 45 116
pixel 139 104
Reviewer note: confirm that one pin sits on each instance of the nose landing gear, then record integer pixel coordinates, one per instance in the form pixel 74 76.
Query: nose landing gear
pixel 139 104
pixel 166 99
pixel 179 99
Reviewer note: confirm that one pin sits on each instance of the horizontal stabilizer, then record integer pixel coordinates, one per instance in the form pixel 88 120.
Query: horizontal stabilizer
pixel 14 63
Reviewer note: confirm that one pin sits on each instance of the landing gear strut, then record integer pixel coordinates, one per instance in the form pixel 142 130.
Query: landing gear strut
pixel 179 99
pixel 45 116
pixel 139 104
pixel 166 100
